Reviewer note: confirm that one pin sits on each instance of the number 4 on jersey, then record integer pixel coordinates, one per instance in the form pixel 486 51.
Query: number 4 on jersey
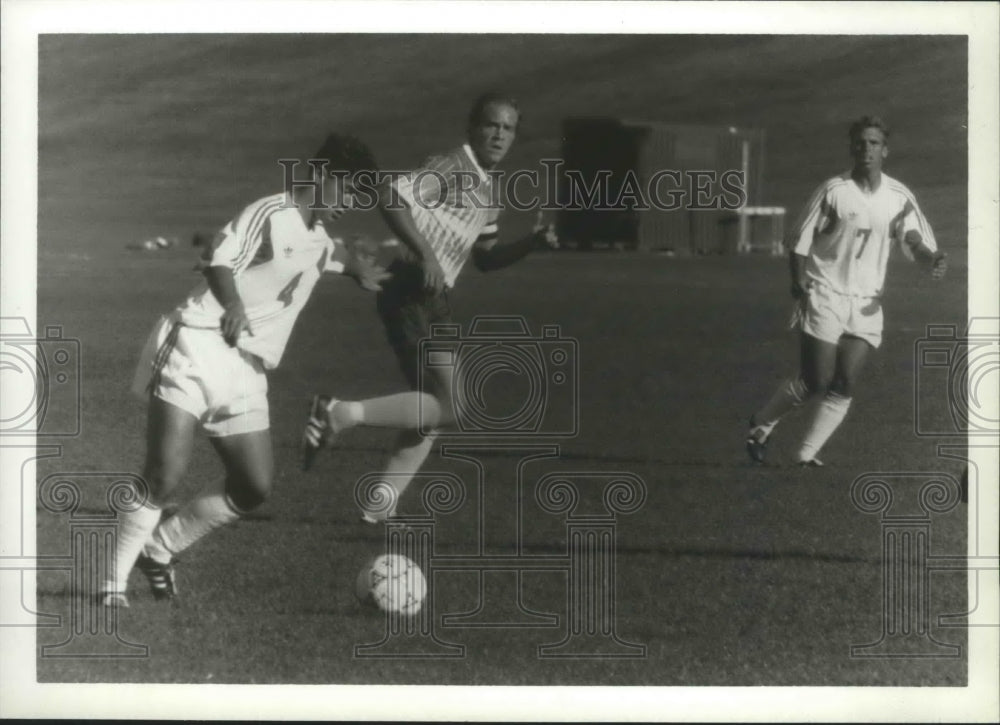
pixel 286 292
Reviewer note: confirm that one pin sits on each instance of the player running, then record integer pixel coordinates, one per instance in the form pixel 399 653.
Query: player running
pixel 449 212
pixel 838 264
pixel 204 363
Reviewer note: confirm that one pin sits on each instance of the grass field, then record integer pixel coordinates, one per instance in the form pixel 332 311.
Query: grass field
pixel 730 574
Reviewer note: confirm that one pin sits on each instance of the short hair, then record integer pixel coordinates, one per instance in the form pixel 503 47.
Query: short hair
pixel 346 153
pixel 858 127
pixel 490 98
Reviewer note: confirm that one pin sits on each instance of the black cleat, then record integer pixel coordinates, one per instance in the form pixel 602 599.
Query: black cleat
pixel 161 577
pixel 317 431
pixel 756 443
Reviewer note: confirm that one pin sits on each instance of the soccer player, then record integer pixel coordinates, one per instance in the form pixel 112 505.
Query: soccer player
pixel 838 263
pixel 204 363
pixel 448 212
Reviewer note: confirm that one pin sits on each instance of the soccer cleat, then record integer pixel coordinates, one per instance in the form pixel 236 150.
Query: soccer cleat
pixel 112 599
pixel 160 577
pixel 319 430
pixel 811 463
pixel 756 442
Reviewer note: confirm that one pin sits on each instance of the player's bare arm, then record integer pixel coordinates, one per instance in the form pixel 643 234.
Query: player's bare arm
pixel 937 259
pixel 234 320
pixel 797 267
pixel 401 223
pixel 365 272
pixel 488 258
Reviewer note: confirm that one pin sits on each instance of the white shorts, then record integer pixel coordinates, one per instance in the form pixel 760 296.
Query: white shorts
pixel 224 387
pixel 828 315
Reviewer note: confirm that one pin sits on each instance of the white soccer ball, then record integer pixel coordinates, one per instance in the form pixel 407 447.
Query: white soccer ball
pixel 392 583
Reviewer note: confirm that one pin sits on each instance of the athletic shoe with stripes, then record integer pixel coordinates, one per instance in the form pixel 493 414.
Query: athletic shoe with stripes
pixel 315 431
pixel 319 431
pixel 160 576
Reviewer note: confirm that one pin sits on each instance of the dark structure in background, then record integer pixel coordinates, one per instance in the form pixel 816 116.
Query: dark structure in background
pixel 615 147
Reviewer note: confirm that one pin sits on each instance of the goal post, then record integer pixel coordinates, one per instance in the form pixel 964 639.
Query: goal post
pixel 761 229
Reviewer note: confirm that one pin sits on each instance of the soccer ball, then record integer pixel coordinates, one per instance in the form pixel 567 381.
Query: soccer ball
pixel 392 583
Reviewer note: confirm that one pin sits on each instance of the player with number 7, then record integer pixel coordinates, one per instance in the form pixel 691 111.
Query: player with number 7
pixel 840 250
pixel 204 363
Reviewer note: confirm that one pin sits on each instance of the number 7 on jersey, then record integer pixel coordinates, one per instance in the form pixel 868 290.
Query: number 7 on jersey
pixel 866 235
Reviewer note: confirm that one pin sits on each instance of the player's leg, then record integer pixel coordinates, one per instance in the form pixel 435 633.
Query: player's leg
pixel 249 463
pixel 407 321
pixel 237 423
pixel 852 352
pixel 409 452
pixel 412 410
pixel 400 306
pixel 817 363
pixel 169 440
pixel 407 315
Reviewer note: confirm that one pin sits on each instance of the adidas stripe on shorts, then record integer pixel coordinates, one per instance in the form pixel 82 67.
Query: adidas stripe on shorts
pixel 224 387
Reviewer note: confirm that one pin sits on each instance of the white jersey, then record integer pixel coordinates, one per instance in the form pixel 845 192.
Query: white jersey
pixel 847 233
pixel 451 220
pixel 276 260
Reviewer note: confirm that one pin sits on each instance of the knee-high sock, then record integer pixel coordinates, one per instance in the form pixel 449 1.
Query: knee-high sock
pixel 209 510
pixel 133 531
pixel 827 418
pixel 409 454
pixel 790 394
pixel 403 410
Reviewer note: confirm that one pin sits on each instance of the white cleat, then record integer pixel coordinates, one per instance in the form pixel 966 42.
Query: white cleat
pixel 113 599
pixel 369 518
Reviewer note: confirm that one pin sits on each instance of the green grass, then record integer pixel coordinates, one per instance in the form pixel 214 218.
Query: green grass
pixel 730 574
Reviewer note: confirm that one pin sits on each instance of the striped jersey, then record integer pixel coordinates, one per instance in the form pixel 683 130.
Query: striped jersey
pixel 847 233
pixel 276 259
pixel 451 201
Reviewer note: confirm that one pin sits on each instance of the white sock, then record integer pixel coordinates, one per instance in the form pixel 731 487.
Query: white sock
pixel 827 418
pixel 201 515
pixel 408 456
pixel 790 394
pixel 402 410
pixel 133 531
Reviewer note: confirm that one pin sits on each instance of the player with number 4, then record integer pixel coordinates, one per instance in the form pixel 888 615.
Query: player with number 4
pixel 204 363
pixel 840 251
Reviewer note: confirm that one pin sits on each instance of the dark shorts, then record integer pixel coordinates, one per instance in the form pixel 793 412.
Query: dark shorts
pixel 408 310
